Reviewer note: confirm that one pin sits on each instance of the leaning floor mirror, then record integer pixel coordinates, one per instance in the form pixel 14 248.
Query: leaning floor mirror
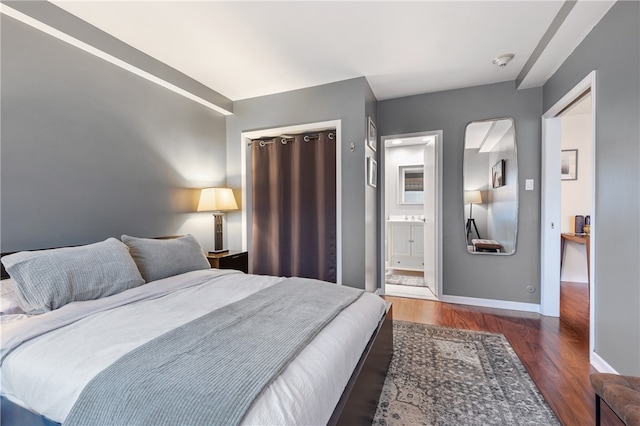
pixel 490 176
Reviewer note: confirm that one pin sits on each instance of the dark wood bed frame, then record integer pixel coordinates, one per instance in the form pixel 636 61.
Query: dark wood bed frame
pixel 357 405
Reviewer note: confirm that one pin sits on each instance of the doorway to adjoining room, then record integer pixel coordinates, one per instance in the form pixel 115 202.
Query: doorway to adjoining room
pixel 576 200
pixel 568 194
pixel 410 216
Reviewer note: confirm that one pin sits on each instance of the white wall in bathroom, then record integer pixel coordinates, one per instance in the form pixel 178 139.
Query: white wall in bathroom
pixel 410 155
pixel 395 156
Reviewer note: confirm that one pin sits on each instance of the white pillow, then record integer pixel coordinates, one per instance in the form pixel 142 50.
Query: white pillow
pixel 9 304
pixel 48 279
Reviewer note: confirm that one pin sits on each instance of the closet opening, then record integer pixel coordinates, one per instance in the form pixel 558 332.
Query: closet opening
pixel 291 201
pixel 293 205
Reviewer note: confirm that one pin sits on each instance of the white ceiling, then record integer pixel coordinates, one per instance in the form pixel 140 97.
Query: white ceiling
pixel 248 49
pixel 415 140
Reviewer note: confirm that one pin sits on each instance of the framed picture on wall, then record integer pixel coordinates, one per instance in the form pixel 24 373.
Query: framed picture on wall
pixel 497 174
pixel 372 135
pixel 569 164
pixel 372 172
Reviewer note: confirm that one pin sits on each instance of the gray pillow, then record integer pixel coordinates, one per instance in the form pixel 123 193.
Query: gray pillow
pixel 157 259
pixel 48 279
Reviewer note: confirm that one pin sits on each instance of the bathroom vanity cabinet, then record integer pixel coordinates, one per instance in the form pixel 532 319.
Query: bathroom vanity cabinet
pixel 406 243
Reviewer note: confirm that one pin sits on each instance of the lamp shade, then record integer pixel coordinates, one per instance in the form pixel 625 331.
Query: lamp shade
pixel 216 199
pixel 472 197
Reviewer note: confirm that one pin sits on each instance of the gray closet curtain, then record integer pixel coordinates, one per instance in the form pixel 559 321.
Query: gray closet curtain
pixel 294 206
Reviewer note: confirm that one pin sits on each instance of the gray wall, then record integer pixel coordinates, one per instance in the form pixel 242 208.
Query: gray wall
pixel 502 205
pixel 90 150
pixel 373 275
pixel 344 101
pixel 613 49
pixel 464 274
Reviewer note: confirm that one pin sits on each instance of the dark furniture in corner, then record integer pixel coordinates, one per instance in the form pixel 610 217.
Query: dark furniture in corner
pixel 620 393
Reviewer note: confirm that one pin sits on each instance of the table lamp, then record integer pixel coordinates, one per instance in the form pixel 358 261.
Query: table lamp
pixel 217 200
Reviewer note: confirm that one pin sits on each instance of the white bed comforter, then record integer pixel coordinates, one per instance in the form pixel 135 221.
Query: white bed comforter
pixel 49 358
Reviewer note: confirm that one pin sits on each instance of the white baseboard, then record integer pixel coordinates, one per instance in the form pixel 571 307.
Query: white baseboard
pixel 491 303
pixel 486 303
pixel 601 365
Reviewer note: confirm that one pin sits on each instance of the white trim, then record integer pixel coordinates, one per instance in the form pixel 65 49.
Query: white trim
pixel 41 26
pixel 594 229
pixel 586 83
pixel 245 138
pixel 491 303
pixel 550 256
pixel 244 141
pixel 601 365
pixel 550 218
pixel 438 141
pixel 439 144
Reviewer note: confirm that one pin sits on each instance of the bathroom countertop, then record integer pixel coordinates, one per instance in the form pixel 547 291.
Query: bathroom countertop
pixel 407 218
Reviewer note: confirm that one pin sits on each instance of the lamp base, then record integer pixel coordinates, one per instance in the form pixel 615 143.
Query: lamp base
pixel 472 222
pixel 217 234
pixel 218 251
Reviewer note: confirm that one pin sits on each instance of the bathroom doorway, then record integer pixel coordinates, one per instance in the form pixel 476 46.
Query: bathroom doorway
pixel 411 215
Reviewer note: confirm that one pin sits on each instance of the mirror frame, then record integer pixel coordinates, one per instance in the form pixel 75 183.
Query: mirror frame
pixel 490 186
pixel 402 170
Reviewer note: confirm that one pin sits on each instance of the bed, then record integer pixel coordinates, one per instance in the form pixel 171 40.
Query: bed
pixel 126 354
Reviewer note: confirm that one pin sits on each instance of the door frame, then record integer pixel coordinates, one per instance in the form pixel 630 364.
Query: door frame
pixel 438 135
pixel 245 138
pixel 550 205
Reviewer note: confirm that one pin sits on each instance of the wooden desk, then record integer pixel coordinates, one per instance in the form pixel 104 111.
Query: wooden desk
pixel 580 239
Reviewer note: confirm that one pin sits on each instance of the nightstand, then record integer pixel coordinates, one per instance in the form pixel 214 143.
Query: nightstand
pixel 238 260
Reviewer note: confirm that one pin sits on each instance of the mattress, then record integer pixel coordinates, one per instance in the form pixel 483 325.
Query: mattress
pixel 64 349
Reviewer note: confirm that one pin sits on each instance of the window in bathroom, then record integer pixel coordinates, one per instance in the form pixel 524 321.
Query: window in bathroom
pixel 411 188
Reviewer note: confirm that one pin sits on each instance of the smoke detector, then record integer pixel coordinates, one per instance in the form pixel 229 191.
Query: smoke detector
pixel 502 60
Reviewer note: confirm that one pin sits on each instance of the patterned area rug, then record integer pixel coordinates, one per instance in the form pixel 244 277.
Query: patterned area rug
pixel 447 376
pixel 404 280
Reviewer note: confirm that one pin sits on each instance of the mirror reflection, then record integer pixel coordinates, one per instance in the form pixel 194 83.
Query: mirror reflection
pixel 490 179
pixel 411 182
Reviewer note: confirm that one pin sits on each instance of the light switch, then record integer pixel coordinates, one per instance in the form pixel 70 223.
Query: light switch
pixel 528 185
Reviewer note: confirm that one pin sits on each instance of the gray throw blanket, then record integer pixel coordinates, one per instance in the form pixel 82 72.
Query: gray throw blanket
pixel 210 371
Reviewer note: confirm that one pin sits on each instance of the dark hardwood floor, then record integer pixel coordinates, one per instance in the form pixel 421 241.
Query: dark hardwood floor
pixel 555 351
